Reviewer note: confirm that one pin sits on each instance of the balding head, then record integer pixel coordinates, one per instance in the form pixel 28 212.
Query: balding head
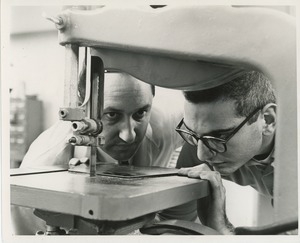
pixel 126 114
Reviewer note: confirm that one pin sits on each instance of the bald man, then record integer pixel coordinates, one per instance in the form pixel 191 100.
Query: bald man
pixel 134 131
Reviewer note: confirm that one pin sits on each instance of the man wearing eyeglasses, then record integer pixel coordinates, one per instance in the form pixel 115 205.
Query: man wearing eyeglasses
pixel 229 132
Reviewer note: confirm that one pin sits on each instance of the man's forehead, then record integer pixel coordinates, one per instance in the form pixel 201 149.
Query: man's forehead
pixel 210 108
pixel 210 116
pixel 122 83
pixel 124 92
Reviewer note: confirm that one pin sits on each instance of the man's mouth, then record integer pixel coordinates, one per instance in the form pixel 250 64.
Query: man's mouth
pixel 215 162
pixel 124 146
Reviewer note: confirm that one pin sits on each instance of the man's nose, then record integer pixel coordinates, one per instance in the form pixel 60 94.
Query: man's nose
pixel 127 132
pixel 203 152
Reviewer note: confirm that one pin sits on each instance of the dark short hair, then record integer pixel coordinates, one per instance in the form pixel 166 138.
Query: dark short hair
pixel 250 90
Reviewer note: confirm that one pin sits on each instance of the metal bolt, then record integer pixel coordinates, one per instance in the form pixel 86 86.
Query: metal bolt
pixel 58 21
pixel 74 162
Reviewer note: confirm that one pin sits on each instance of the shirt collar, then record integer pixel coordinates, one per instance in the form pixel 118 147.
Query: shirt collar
pixel 265 162
pixel 150 136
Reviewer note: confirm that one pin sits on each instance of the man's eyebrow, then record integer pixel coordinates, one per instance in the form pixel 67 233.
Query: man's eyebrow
pixel 112 109
pixel 109 108
pixel 145 107
pixel 218 131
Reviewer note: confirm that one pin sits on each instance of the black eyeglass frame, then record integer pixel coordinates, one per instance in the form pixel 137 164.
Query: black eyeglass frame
pixel 205 139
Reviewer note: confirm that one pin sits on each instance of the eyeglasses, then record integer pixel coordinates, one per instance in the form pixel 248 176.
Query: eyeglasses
pixel 214 144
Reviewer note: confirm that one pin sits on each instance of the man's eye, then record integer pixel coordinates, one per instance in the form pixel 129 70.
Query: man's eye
pixel 111 115
pixel 139 115
pixel 221 136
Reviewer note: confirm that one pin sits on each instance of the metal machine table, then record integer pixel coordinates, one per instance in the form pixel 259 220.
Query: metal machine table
pixel 102 197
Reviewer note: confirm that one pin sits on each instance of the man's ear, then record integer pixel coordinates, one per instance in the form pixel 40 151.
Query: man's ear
pixel 270 119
